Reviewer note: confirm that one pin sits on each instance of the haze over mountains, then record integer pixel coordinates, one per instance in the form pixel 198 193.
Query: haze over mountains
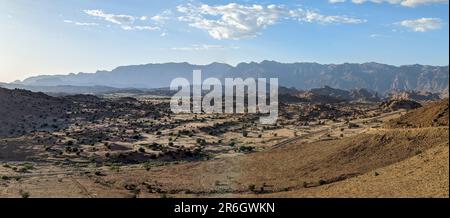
pixel 377 77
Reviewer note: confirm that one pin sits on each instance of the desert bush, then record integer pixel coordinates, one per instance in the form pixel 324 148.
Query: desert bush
pixel 5 177
pixel 322 182
pixel 353 125
pixel 24 194
pixel 130 187
pixel 246 149
pixel 147 165
pixel 115 167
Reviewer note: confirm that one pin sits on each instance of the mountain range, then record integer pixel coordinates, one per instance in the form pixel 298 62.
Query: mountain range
pixel 381 78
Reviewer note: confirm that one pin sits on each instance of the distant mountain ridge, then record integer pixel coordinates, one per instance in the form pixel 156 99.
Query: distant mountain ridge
pixel 381 78
pixel 62 89
pixel 328 94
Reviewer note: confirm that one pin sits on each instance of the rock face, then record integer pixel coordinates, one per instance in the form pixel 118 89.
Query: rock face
pixel 400 104
pixel 320 98
pixel 380 78
pixel 338 94
pixel 287 98
pixel 364 95
pixel 415 96
pixel 332 95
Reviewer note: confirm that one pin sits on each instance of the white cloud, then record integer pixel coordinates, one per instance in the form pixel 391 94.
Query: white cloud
pixel 80 23
pixel 160 18
pixel 376 35
pixel 314 17
pixel 113 18
pixel 422 24
pixel 406 3
pixel 235 21
pixel 126 22
pixel 414 3
pixel 203 47
pixel 140 27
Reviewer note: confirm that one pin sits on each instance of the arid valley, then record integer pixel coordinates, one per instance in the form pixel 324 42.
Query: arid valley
pixel 129 145
pixel 196 108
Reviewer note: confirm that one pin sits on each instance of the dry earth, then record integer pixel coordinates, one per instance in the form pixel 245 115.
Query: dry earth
pixel 378 155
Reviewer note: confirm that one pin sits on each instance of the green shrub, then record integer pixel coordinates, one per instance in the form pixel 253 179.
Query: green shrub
pixel 246 149
pixel 252 187
pixel 5 177
pixel 322 182
pixel 24 194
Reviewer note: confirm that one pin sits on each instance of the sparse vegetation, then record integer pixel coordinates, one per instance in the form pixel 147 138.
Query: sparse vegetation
pixel 24 194
pixel 112 142
pixel 322 182
pixel 246 149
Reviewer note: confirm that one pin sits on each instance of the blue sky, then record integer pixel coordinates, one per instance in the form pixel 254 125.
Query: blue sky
pixel 60 37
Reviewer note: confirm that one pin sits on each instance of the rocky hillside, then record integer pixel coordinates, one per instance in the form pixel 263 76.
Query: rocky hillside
pixel 23 111
pixel 394 105
pixel 328 94
pixel 415 96
pixel 431 115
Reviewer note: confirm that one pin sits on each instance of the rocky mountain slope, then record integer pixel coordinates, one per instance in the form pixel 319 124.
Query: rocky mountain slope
pixel 24 111
pixel 380 78
pixel 416 96
pixel 432 115
pixel 328 94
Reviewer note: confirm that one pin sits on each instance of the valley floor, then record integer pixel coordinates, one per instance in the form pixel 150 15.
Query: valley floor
pixel 387 155
pixel 379 163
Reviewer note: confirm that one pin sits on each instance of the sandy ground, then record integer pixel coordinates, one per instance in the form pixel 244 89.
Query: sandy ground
pixel 327 160
pixel 424 175
pixel 407 162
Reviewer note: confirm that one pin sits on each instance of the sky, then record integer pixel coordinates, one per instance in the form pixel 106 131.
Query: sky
pixel 60 37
